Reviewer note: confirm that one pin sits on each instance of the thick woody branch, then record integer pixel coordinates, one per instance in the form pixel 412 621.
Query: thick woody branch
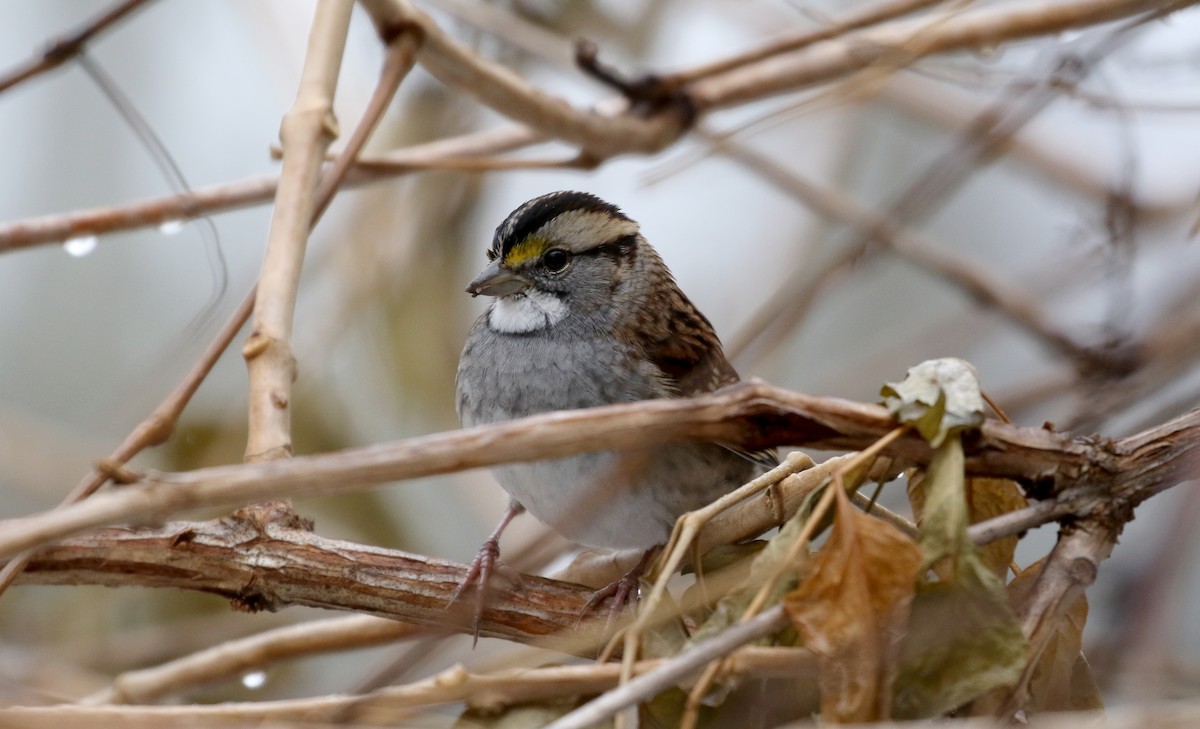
pixel 277 567
pixel 272 565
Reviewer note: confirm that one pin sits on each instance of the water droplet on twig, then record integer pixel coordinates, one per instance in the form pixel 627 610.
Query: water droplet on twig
pixel 81 246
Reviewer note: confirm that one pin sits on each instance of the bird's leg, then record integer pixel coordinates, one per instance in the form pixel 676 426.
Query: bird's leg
pixel 486 563
pixel 623 591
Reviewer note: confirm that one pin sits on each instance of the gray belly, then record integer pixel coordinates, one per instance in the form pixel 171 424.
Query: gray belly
pixel 626 499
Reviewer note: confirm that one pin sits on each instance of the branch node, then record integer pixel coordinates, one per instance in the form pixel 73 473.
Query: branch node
pixel 648 94
pixel 265 516
pixel 117 472
pixel 394 28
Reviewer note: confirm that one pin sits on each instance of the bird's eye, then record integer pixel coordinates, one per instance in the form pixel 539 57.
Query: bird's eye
pixel 556 259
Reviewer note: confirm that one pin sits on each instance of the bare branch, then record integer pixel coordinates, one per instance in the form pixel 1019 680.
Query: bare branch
pixel 751 414
pixel 63 49
pixel 307 130
pixel 252 191
pixel 235 657
pixel 454 685
pixel 904 42
pixel 671 671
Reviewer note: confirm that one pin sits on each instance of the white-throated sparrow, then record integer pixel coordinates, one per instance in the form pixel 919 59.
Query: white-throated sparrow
pixel 585 314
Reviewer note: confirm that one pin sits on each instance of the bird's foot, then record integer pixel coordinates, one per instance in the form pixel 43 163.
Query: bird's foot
pixel 622 592
pixel 483 568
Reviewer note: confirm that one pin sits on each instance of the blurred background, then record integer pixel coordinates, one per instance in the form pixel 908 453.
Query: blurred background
pixel 1088 218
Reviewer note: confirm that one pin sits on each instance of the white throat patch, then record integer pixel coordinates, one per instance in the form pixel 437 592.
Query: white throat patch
pixel 527 312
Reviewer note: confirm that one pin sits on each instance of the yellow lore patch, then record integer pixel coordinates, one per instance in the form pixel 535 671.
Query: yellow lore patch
pixel 532 247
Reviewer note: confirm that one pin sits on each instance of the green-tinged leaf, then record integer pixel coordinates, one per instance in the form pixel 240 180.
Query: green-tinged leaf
pixel 770 560
pixel 849 609
pixel 943 506
pixel 938 397
pixel 664 711
pixel 986 498
pixel 963 640
pixel 665 633
pixel 726 555
pixel 1062 679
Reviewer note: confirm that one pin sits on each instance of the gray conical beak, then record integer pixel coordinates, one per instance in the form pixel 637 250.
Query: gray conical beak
pixel 495 280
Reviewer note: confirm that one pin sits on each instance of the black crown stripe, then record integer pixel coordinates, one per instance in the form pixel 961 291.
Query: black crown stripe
pixel 530 217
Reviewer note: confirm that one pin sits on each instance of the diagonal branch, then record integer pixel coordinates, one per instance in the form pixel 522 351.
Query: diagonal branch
pixel 1089 471
pixel 63 49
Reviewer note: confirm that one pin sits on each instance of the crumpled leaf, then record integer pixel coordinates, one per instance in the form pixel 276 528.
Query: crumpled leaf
pixel 770 559
pixel 986 498
pixel 963 638
pixel 962 641
pixel 1062 679
pixel 849 611
pixel 938 397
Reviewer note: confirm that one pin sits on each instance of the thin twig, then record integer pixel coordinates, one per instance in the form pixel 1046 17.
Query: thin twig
pixel 867 16
pixel 67 46
pixel 254 190
pixel 808 71
pixel 490 692
pixel 991 25
pixel 914 247
pixel 980 142
pixel 671 671
pixel 235 657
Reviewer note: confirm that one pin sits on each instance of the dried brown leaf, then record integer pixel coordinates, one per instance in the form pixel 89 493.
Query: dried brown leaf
pixel 850 608
pixel 1062 679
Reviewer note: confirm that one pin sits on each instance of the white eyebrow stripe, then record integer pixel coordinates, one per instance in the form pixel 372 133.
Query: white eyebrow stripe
pixel 583 229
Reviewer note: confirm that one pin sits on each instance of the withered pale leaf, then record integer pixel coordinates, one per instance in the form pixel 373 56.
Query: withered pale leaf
pixel 849 608
pixel 938 397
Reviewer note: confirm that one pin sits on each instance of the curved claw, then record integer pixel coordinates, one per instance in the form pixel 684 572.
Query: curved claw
pixel 479 576
pixel 623 591
pixel 479 573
